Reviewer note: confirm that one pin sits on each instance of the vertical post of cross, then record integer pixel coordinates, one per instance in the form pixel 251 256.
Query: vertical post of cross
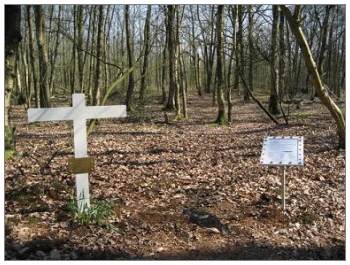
pixel 80 150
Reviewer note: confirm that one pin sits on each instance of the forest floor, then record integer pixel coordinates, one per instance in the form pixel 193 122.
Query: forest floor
pixel 150 171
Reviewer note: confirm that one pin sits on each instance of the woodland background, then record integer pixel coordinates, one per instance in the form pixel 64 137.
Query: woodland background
pixel 203 85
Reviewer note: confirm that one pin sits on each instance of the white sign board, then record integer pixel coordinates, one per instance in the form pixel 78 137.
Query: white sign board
pixel 283 150
pixel 78 113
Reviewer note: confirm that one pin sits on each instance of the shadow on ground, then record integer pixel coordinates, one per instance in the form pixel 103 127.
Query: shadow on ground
pixel 38 249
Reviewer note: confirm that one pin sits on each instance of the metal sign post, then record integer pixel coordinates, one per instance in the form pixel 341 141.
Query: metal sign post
pixel 284 189
pixel 283 151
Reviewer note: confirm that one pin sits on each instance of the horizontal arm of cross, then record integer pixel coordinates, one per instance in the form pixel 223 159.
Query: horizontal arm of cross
pixel 100 112
pixel 70 113
pixel 50 114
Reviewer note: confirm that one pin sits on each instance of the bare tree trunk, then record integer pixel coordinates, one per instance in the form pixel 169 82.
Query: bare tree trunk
pixel 183 86
pixel 80 38
pixel 238 12
pixel 90 81
pixel 312 68
pixel 221 118
pixel 18 83
pixel 131 83
pixel 324 30
pixel 177 65
pixel 31 55
pixel 251 53
pixel 171 58
pixel 194 56
pixel 239 49
pixel 88 47
pixel 43 59
pixel 53 57
pixel 12 39
pixel 164 62
pixel 208 50
pixel 96 90
pixel 342 56
pixel 147 50
pixel 212 49
pixel 24 61
pixel 104 51
pixel 282 52
pixel 181 78
pixel 234 16
pixel 289 62
pixel 324 33
pixel 274 94
pixel 73 56
pixel 330 51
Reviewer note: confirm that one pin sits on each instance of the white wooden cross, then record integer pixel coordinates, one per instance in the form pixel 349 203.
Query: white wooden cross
pixel 79 113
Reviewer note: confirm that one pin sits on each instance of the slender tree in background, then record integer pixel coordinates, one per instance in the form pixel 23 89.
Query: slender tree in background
pixel 24 68
pixel 208 46
pixel 294 23
pixel 323 44
pixel 130 52
pixel 221 118
pixel 274 94
pixel 147 47
pixel 183 86
pixel 239 48
pixel 282 55
pixel 251 52
pixel 171 57
pixel 242 67
pixel 74 51
pixel 12 39
pixel 31 55
pixel 164 60
pixel 80 54
pixel 97 85
pixel 43 59
pixel 54 54
pixel 194 56
pixel 176 63
pixel 93 18
pixel 180 72
pixel 234 16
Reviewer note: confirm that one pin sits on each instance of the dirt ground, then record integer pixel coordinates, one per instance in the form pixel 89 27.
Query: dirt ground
pixel 150 171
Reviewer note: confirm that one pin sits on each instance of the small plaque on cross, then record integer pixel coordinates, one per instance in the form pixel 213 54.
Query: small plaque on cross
pixel 81 165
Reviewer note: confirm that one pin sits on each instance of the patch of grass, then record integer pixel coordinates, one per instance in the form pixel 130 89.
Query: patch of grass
pixel 306 218
pixel 179 117
pixel 303 115
pixel 99 213
pixel 9 154
pixel 33 220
